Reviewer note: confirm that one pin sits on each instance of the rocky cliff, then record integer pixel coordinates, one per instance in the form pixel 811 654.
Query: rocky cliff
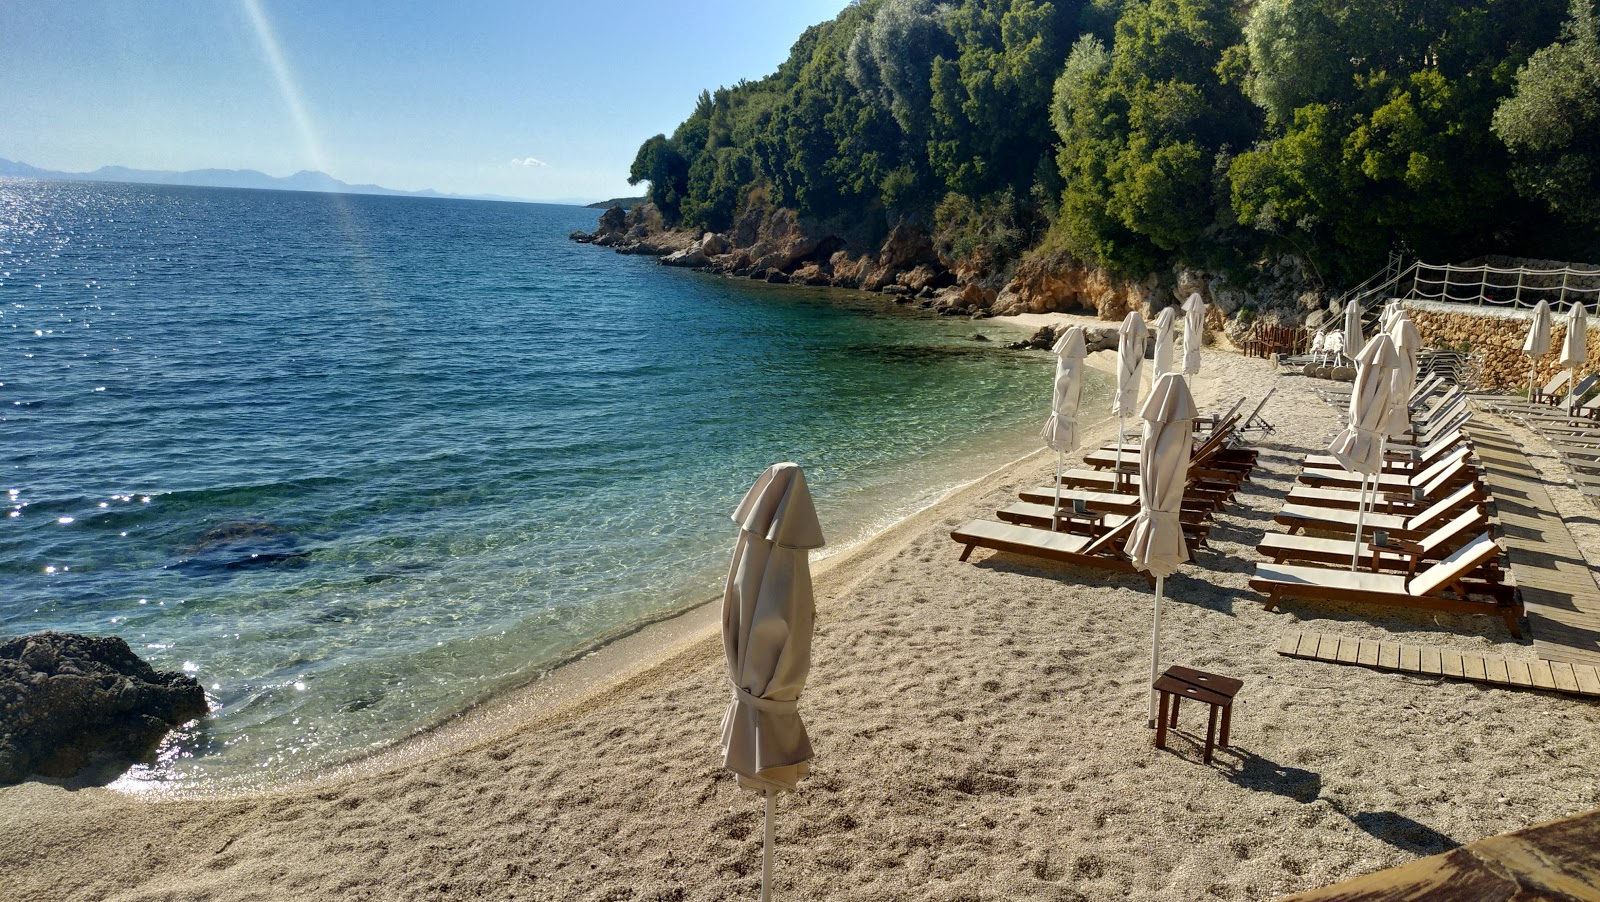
pixel 779 245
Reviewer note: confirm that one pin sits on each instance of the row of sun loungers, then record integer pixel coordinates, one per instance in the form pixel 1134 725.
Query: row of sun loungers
pixel 1098 502
pixel 1440 551
pixel 1568 417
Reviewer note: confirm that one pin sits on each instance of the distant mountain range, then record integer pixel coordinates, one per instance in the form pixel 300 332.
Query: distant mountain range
pixel 304 180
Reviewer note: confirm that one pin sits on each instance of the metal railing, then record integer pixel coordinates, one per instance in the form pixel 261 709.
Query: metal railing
pixel 1509 287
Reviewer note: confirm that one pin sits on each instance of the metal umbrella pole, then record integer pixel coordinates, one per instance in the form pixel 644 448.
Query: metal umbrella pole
pixel 766 851
pixel 1155 649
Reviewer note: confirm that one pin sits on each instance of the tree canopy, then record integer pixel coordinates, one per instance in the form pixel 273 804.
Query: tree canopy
pixel 1141 133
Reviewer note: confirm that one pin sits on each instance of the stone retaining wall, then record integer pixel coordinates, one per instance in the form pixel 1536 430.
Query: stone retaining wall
pixel 1497 333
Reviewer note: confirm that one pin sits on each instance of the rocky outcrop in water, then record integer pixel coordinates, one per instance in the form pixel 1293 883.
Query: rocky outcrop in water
pixel 67 700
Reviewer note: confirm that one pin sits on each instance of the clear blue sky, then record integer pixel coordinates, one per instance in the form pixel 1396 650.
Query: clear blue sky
pixel 403 94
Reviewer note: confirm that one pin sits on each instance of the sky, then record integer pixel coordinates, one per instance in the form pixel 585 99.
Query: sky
pixel 536 99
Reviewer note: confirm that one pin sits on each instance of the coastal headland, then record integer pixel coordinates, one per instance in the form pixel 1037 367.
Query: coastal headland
pixel 980 734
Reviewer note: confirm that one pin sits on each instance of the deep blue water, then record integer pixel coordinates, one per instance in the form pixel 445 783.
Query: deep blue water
pixel 355 462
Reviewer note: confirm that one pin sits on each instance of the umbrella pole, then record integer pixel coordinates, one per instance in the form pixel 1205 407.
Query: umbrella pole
pixel 1533 366
pixel 766 852
pixel 1155 650
pixel 1361 514
pixel 1116 469
pixel 1055 510
pixel 1572 384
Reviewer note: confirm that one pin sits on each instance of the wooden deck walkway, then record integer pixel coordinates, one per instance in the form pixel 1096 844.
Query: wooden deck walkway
pixel 1558 588
pixel 1558 861
pixel 1429 660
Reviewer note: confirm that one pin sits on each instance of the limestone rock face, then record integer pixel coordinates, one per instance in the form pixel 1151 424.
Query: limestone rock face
pixel 1061 285
pixel 67 699
pixel 690 257
pixel 907 248
pixel 614 219
pixel 714 245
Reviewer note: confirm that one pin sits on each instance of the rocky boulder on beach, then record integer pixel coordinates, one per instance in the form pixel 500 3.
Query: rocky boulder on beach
pixel 67 700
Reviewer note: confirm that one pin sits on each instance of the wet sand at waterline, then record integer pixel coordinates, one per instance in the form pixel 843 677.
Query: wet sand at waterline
pixel 980 730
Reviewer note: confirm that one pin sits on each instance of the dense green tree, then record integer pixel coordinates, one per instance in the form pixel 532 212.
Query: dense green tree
pixel 1552 122
pixel 1141 130
pixel 990 125
pixel 1139 133
pixel 1381 111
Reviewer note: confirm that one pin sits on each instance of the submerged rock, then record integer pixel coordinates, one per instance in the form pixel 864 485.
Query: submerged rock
pixel 66 700
pixel 237 544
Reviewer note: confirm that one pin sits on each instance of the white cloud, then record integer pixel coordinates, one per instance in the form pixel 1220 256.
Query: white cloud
pixel 528 161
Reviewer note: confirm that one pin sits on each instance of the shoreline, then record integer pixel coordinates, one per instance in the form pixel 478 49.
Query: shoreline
pixel 610 661
pixel 606 665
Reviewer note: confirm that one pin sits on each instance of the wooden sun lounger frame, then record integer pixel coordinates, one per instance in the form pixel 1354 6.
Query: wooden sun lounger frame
pixel 1091 556
pixel 1505 605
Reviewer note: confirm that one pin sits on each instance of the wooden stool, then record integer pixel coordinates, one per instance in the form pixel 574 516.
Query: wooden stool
pixel 1178 683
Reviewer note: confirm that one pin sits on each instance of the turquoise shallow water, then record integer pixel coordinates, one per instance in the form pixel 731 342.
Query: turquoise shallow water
pixel 356 462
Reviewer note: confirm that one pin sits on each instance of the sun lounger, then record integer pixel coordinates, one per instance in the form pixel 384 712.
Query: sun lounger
pixel 1406 526
pixel 1103 551
pixel 1547 394
pixel 1302 549
pixel 1454 463
pixel 1255 422
pixel 1400 463
pixel 1390 501
pixel 1196 523
pixel 1441 587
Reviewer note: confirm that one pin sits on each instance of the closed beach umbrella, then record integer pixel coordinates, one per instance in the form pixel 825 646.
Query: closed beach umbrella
pixel 1317 342
pixel 767 613
pixel 1156 542
pixel 1194 326
pixel 1407 345
pixel 1061 429
pixel 1166 344
pixel 1359 446
pixel 1575 347
pixel 1537 344
pixel 1353 340
pixel 1132 336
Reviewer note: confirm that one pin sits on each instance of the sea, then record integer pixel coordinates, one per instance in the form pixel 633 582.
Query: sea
pixel 358 463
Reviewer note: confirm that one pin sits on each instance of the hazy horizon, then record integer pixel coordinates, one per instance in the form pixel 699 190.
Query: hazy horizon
pixel 539 103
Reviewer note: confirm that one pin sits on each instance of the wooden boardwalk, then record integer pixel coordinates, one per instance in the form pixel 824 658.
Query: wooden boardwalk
pixel 1557 861
pixel 1558 588
pixel 1430 660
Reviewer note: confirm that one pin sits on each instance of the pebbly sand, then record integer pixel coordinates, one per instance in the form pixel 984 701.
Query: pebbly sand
pixel 980 735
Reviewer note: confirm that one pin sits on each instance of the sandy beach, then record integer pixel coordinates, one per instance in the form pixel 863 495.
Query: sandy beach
pixel 980 730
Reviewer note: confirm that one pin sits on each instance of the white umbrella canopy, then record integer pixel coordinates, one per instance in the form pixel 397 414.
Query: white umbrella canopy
pixel 1318 341
pixel 1132 337
pixel 1061 429
pixel 1166 342
pixel 1353 340
pixel 767 611
pixel 1575 346
pixel 1194 327
pixel 767 617
pixel 1356 447
pixel 1156 543
pixel 1537 344
pixel 1407 344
